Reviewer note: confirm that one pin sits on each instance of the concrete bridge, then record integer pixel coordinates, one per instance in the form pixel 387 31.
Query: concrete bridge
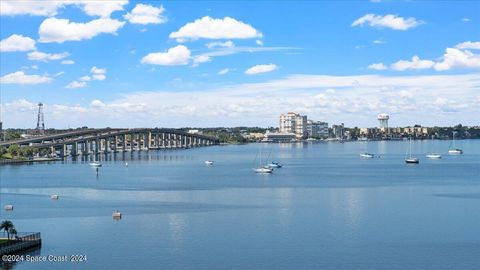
pixel 95 141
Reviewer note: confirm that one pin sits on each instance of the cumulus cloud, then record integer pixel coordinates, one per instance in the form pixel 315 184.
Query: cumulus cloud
pixel 468 45
pixel 98 73
pixel 46 57
pixel 200 59
pixel 415 63
pixel 210 28
pixel 17 43
pixel 455 58
pixel 261 69
pixel 146 14
pixel 61 30
pixel 20 77
pixel 377 66
pixel 50 8
pixel 179 55
pixel 76 84
pixel 67 62
pixel 223 71
pixel 389 21
pixel 259 42
pixel 226 44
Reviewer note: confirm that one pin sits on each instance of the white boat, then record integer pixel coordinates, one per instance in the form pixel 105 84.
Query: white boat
pixel 409 159
pixel 367 155
pixel 54 197
pixel 208 162
pixel 95 164
pixel 453 149
pixel 433 156
pixel 8 207
pixel 263 170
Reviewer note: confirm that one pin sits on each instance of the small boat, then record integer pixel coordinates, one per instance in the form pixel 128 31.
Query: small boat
pixel 95 164
pixel 433 156
pixel 367 155
pixel 208 162
pixel 274 165
pixel 54 197
pixel 264 169
pixel 455 151
pixel 412 160
pixel 116 215
pixel 8 207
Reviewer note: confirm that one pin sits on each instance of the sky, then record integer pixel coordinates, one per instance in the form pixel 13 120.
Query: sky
pixel 227 63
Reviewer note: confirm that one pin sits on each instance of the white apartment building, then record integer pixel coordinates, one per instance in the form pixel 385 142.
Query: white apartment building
pixel 294 123
pixel 317 129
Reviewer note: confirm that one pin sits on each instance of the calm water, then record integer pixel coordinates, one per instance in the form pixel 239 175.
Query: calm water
pixel 326 209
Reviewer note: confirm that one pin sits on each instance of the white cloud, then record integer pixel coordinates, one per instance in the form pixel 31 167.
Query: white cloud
pixel 455 58
pixel 76 84
pixel 61 30
pixel 200 59
pixel 210 28
pixel 223 71
pixel 390 21
pixel 377 66
pixel 226 44
pixel 146 14
pixel 46 57
pixel 101 8
pixel 415 63
pixel 50 8
pixel 469 45
pixel 356 102
pixel 67 62
pixel 17 43
pixel 465 19
pixel 85 78
pixel 259 42
pixel 98 73
pixel 261 69
pixel 20 77
pixel 378 41
pixel 179 55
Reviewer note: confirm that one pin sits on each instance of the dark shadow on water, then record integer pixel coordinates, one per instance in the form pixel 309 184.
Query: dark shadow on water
pixel 34 251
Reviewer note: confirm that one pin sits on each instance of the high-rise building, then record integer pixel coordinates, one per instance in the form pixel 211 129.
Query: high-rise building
pixel 383 122
pixel 317 129
pixel 294 123
pixel 339 131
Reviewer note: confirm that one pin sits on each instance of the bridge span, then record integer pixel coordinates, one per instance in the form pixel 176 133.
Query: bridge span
pixel 95 141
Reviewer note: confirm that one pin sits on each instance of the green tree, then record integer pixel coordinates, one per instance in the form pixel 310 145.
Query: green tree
pixel 13 232
pixel 7 225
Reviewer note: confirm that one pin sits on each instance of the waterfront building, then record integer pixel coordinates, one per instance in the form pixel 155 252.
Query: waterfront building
pixel 317 129
pixel 294 123
pixel 338 131
pixel 279 137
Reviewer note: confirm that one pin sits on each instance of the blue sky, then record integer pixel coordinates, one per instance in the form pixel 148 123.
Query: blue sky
pixel 177 63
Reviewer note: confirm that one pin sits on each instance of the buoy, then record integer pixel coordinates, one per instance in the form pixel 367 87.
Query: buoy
pixel 8 207
pixel 54 197
pixel 126 164
pixel 117 215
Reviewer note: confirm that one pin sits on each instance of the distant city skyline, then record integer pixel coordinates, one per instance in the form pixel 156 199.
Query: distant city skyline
pixel 209 64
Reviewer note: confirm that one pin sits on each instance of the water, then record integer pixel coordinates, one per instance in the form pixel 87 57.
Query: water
pixel 325 209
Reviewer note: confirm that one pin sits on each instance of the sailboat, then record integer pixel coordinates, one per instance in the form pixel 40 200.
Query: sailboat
pixel 433 155
pixel 409 159
pixel 453 150
pixel 273 164
pixel 262 168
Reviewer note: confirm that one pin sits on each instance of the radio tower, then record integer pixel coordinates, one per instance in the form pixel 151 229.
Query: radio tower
pixel 40 124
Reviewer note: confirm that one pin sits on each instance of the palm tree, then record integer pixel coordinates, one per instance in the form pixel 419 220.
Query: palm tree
pixel 13 232
pixel 7 225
